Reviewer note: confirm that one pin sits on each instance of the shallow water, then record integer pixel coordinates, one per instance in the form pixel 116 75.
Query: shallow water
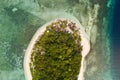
pixel 20 19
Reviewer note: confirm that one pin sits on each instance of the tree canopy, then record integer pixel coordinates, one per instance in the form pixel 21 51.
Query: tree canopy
pixel 56 55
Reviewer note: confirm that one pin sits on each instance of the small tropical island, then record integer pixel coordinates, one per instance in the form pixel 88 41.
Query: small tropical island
pixel 55 52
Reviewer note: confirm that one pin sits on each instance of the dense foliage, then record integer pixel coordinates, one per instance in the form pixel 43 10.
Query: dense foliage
pixel 56 56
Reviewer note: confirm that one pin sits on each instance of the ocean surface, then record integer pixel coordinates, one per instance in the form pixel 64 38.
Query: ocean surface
pixel 20 19
pixel 116 41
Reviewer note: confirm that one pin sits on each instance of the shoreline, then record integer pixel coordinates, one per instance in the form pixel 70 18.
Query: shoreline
pixel 39 32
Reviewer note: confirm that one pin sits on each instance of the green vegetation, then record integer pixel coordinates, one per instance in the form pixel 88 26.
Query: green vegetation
pixel 56 55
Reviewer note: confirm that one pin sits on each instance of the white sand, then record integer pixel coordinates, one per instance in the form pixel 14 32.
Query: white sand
pixel 40 31
pixel 86 48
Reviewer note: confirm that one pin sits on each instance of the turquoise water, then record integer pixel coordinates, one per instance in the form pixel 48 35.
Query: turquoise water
pixel 20 19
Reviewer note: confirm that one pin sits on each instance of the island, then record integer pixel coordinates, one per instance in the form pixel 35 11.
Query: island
pixel 56 52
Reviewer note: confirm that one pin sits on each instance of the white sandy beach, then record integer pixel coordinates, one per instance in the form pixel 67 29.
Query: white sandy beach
pixel 84 42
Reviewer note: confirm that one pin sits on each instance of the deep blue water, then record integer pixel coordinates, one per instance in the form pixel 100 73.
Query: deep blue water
pixel 116 40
